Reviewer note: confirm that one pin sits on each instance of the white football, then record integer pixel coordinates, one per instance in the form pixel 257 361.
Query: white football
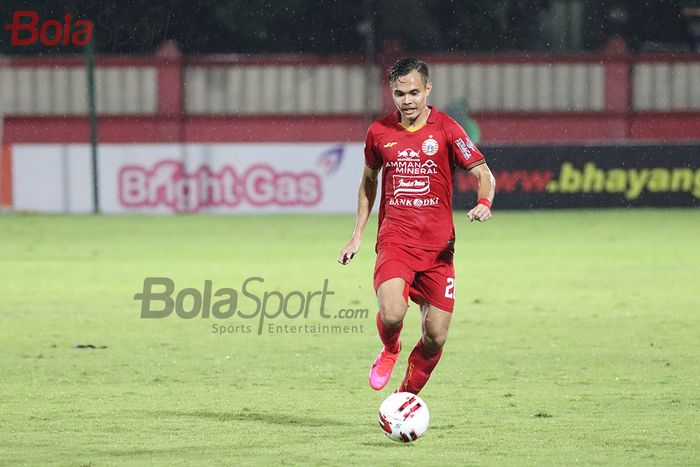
pixel 403 417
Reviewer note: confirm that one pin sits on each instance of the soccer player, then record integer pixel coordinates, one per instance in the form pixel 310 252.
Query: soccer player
pixel 418 148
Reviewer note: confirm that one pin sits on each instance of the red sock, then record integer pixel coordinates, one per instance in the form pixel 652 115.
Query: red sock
pixel 389 336
pixel 421 363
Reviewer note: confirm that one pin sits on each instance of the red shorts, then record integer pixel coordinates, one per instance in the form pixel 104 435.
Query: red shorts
pixel 429 275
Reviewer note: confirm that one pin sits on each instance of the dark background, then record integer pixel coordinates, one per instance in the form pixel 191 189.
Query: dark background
pixel 344 27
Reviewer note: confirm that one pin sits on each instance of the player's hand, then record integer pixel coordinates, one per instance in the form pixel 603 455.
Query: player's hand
pixel 479 213
pixel 348 252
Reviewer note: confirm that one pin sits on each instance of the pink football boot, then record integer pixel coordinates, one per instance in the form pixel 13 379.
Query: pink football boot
pixel 381 369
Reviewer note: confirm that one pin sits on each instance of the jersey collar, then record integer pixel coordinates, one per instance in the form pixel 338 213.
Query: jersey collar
pixel 430 120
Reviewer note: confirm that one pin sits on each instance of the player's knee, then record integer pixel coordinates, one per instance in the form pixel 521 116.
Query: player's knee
pixel 434 341
pixel 392 314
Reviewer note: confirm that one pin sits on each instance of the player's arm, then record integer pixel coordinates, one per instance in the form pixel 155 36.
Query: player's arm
pixel 487 189
pixel 365 201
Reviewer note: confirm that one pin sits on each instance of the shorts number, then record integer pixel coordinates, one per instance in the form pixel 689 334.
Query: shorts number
pixel 450 289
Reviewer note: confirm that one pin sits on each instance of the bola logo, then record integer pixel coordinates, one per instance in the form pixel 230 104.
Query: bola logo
pixel 430 146
pixel 27 29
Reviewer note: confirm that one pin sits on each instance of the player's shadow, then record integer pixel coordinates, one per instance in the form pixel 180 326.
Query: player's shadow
pixel 251 416
pixel 145 452
pixel 386 444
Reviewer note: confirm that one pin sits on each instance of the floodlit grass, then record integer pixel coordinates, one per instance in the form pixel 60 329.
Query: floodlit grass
pixel 575 340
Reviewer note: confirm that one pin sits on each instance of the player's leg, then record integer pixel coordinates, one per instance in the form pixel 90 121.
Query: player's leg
pixel 435 288
pixel 392 273
pixel 426 354
pixel 393 305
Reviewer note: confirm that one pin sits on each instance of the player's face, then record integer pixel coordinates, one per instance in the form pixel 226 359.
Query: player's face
pixel 410 95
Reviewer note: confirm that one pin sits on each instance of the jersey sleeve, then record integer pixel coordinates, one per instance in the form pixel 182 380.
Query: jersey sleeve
pixel 464 152
pixel 373 159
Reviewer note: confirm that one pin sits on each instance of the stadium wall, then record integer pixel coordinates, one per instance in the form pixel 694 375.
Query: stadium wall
pixel 612 97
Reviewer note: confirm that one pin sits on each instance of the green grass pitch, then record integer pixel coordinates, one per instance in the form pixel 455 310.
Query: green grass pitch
pixel 575 341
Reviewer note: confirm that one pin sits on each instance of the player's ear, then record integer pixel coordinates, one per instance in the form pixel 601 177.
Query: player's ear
pixel 428 87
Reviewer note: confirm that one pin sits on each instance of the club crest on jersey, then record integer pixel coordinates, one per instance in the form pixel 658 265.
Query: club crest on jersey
pixel 430 147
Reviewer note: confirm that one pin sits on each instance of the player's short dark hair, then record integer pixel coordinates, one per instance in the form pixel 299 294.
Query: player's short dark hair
pixel 404 66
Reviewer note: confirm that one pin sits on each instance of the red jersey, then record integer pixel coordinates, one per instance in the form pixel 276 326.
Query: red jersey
pixel 418 166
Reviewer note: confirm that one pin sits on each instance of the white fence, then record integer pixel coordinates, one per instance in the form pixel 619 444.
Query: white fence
pixel 282 89
pixel 62 90
pixel 521 87
pixel 666 86
pixel 304 89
